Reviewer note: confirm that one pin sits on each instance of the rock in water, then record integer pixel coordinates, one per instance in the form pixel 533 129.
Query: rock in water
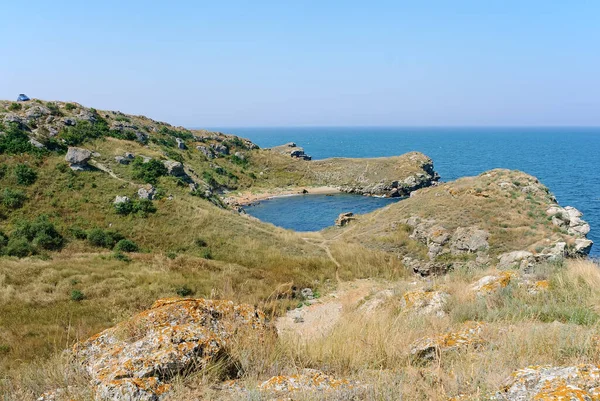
pixel 78 158
pixel 135 359
pixel 344 218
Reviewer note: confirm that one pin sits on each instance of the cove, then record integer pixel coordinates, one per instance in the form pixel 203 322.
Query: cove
pixel 313 212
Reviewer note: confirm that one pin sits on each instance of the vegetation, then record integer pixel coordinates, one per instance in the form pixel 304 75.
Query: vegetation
pixel 150 171
pixel 25 175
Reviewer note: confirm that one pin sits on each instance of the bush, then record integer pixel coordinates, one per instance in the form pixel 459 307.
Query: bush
pixel 122 257
pixel 3 241
pixel 148 172
pixel 141 207
pixel 15 141
pixel 77 296
pixel 126 245
pixel 103 239
pixel 12 198
pixel 53 107
pixel 25 175
pixel 70 106
pixel 206 254
pixel 200 242
pixel 40 232
pixel 85 130
pixel 184 291
pixel 19 247
pixel 78 233
pixel 14 106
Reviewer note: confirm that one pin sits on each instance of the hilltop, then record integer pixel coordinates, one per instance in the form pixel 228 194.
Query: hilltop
pixel 121 225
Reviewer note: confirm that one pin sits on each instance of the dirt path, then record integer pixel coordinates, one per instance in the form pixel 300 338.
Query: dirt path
pixel 319 318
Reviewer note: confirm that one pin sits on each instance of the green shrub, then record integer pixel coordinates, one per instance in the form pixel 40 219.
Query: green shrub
pixel 70 106
pixel 53 107
pixel 141 207
pixel 19 247
pixel 77 296
pixel 200 242
pixel 103 239
pixel 3 170
pixel 239 161
pixel 123 118
pixel 184 291
pixel 126 245
pixel 206 254
pixel 122 257
pixel 124 208
pixel 148 172
pixel 84 131
pixel 25 175
pixel 78 233
pixel 15 141
pixel 40 232
pixel 3 241
pixel 14 106
pixel 12 198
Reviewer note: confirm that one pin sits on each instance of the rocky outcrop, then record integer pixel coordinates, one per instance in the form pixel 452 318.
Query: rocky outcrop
pixel 344 219
pixel 78 158
pixel 146 192
pixel 174 168
pixel 552 383
pixel 425 302
pixel 292 150
pixel 491 283
pixel 469 240
pixel 136 359
pixel 569 218
pixel 429 348
pixel 516 259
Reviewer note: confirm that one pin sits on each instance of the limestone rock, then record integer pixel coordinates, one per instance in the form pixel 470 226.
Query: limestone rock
pixel 582 247
pixel 121 199
pixel 180 143
pixel 220 148
pixel 425 302
pixel 469 240
pixel 344 218
pixel 37 144
pixel 430 348
pixel 122 160
pixel 78 158
pixel 135 359
pixel 569 218
pixel 552 383
pixel 146 192
pixel 491 283
pixel 174 168
pixel 520 259
pixel 206 151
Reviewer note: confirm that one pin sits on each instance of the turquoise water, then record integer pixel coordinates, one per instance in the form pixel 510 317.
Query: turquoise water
pixel 567 160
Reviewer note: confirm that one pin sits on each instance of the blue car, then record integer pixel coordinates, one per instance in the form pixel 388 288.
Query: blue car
pixel 22 98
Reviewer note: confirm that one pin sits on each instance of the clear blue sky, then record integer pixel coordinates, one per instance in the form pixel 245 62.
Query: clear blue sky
pixel 279 63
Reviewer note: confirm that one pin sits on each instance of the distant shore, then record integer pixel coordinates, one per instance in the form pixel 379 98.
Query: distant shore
pixel 248 198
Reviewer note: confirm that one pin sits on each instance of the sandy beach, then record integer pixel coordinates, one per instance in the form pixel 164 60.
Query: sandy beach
pixel 248 198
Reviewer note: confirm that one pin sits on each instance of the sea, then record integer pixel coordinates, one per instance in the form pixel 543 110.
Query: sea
pixel 565 159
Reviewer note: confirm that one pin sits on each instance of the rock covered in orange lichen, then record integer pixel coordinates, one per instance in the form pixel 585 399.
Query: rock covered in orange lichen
pixel 135 359
pixel 548 383
pixel 425 302
pixel 429 348
pixel 491 283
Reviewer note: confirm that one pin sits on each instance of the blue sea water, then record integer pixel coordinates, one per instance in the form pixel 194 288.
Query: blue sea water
pixel 567 160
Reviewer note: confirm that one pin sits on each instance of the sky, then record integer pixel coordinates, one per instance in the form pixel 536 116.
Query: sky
pixel 311 63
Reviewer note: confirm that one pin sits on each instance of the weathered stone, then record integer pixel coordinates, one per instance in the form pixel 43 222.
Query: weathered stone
pixel 78 158
pixel 429 348
pixel 220 149
pixel 37 144
pixel 146 192
pixel 174 168
pixel 69 122
pixel 582 247
pixel 121 199
pixel 469 240
pixel 552 383
pixel 180 143
pixel 344 218
pixel 425 302
pixel 520 259
pixel 488 284
pixel 122 160
pixel 206 151
pixel 135 359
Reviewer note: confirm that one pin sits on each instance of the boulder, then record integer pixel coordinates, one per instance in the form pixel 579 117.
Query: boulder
pixel 146 192
pixel 136 359
pixel 180 143
pixel 141 137
pixel 69 122
pixel 240 156
pixel 570 219
pixel 424 302
pixel 491 283
pixel 37 144
pixel 582 247
pixel 469 240
pixel 580 382
pixel 220 149
pixel 206 151
pixel 121 199
pixel 36 112
pixel 174 168
pixel 78 158
pixel 344 218
pixel 122 160
pixel 518 259
pixel 430 348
